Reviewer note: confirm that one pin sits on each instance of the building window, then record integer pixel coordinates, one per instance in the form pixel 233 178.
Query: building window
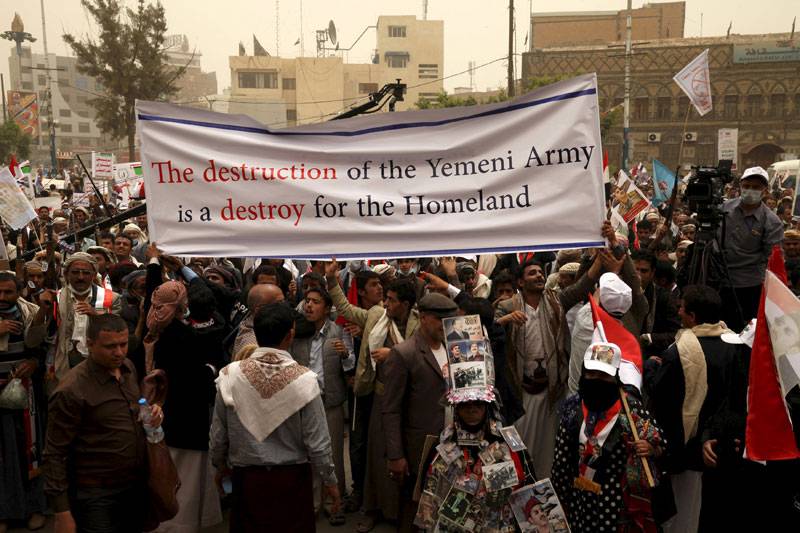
pixel 42 80
pixel 777 105
pixel 397 61
pixel 291 116
pixel 84 127
pixel 397 31
pixel 797 104
pixel 258 80
pixel 731 109
pixel 82 114
pixel 289 84
pixel 27 86
pixel 428 71
pixel 65 141
pixel 640 108
pixel 753 106
pixel 367 88
pixel 66 128
pixel 66 97
pixel 64 113
pixel 82 83
pixel 664 108
pixel 430 97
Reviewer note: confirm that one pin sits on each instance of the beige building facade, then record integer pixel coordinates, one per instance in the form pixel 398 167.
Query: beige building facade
pixel 317 88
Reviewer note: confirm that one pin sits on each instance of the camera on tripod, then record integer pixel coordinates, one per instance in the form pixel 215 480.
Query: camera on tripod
pixel 705 195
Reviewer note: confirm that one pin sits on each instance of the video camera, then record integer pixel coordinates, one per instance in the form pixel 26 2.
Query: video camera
pixel 705 195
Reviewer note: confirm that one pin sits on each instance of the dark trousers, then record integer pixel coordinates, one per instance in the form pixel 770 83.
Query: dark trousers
pixel 272 498
pixel 745 299
pixel 359 429
pixel 109 510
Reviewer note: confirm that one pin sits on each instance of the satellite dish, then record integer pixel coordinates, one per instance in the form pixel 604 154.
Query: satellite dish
pixel 332 32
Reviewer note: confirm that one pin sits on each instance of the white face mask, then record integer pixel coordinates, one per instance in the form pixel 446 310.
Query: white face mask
pixel 751 196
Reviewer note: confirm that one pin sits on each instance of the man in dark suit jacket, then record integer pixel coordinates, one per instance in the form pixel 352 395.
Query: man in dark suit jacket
pixel 415 383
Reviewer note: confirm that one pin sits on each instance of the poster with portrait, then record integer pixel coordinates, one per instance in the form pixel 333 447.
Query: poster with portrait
pixel 469 356
pixel 462 328
pixel 537 509
pixel 628 200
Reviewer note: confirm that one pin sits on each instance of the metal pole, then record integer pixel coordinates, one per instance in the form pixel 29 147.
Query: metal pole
pixel 627 110
pixel 510 48
pixel 530 25
pixel 3 90
pixel 49 92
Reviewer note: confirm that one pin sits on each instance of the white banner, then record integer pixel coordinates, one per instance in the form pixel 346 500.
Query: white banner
pixel 695 81
pixel 728 145
pixel 515 176
pixel 15 208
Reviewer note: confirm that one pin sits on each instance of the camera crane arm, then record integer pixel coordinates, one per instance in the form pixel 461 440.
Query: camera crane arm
pixel 391 92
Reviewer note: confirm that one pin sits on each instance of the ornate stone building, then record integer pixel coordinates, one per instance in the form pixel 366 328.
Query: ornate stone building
pixel 755 87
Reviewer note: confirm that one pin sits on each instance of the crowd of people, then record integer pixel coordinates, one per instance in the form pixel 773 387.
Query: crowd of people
pixel 264 373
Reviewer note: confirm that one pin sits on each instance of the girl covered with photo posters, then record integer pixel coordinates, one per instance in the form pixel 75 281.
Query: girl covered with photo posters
pixel 473 471
pixel 598 471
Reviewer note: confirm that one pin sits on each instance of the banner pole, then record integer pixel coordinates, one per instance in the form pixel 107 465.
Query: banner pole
pixel 683 134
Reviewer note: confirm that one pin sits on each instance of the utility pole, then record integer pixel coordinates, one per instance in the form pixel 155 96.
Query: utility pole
pixel 530 25
pixel 511 91
pixel 51 123
pixel 627 105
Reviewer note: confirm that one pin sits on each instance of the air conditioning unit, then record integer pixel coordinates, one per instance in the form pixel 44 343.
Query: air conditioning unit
pixel 653 137
pixel 690 136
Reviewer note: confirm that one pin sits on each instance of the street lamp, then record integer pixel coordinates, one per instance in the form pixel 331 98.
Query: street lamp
pixel 19 36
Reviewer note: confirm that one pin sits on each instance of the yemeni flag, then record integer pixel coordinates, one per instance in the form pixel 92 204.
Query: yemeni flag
pixel 609 329
pixel 774 368
pixel 12 165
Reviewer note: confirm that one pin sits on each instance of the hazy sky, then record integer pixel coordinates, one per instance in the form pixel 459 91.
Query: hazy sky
pixel 474 29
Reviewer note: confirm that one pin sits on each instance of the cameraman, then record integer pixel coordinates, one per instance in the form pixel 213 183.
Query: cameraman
pixel 751 230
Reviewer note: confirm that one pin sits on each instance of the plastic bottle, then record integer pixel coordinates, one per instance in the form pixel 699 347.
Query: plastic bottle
pixel 154 435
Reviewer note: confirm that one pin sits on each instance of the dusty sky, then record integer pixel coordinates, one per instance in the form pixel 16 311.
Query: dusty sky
pixel 474 29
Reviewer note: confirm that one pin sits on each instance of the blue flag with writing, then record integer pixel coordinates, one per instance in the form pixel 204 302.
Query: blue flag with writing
pixel 663 182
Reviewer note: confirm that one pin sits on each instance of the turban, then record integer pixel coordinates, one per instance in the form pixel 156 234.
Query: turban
pixel 167 299
pixel 224 273
pixel 80 256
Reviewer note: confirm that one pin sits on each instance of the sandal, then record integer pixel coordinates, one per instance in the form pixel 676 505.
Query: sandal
pixel 351 504
pixel 337 519
pixel 365 525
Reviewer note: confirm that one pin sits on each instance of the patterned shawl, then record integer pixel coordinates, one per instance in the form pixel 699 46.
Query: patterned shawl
pixel 266 389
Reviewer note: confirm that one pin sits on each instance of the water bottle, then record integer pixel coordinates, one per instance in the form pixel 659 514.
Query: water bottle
pixel 154 435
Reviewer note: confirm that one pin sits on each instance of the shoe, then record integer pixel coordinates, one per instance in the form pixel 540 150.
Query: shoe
pixel 35 522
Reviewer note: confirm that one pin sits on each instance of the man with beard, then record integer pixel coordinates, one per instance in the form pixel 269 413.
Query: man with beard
pixel 598 473
pixel 791 249
pixel 105 260
pixel 537 347
pixel 80 299
pixel 22 331
pixel 123 245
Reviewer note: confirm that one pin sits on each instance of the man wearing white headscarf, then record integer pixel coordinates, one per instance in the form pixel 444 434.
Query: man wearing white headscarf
pixel 76 302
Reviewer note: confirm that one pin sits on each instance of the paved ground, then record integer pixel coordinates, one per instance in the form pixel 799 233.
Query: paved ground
pixel 322 527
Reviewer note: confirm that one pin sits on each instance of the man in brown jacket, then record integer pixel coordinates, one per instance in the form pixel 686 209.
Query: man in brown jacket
pixel 416 380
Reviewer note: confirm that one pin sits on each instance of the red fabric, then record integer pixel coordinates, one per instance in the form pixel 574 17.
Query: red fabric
pixel 352 297
pixel 769 435
pixel 635 236
pixel 588 449
pixel 615 332
pixel 13 165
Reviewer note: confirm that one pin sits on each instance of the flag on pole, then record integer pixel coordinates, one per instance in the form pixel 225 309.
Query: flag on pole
pixel 12 166
pixel 609 329
pixel 695 81
pixel 606 176
pixel 774 368
pixel 663 182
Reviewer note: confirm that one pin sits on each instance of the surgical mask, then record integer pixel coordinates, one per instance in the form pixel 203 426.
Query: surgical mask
pixel 751 196
pixel 8 308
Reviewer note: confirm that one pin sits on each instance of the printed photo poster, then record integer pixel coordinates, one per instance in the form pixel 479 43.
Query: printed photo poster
pixel 628 200
pixel 537 509
pixel 469 356
pixel 15 208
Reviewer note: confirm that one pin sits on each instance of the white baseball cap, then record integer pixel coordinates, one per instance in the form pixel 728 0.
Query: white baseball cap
pixel 747 335
pixel 602 356
pixel 615 295
pixel 756 172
